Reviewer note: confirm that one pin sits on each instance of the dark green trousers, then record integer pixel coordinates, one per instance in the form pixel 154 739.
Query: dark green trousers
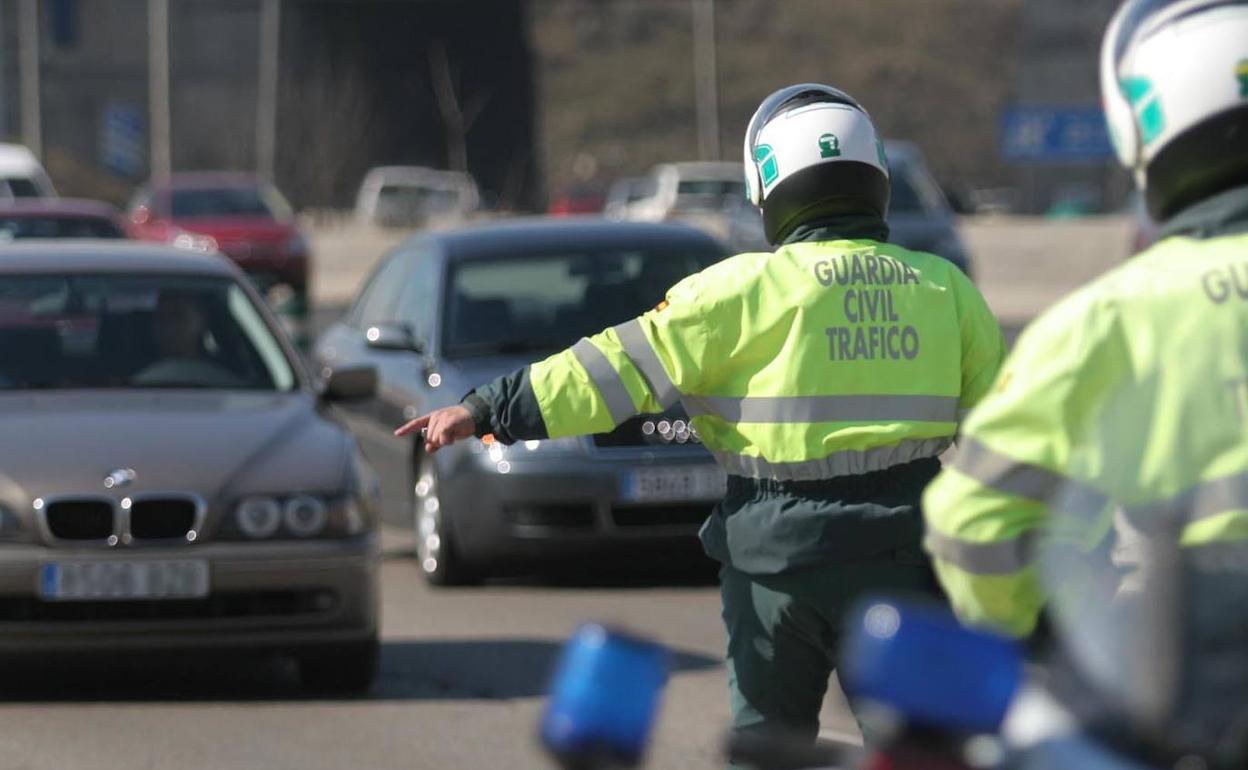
pixel 784 634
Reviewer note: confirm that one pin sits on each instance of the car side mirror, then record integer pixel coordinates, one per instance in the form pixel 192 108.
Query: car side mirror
pixel 392 336
pixel 349 383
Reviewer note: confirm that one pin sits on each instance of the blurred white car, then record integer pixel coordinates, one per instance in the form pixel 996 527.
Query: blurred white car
pixel 21 174
pixel 623 193
pixel 706 194
pixel 413 196
pixel 695 187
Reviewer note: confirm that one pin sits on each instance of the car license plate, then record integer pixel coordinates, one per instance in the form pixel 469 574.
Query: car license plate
pixel 112 580
pixel 652 485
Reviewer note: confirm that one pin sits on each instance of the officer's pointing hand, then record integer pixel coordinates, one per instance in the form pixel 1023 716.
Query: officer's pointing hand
pixel 441 427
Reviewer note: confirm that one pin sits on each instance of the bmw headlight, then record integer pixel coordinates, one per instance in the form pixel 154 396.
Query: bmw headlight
pixel 267 517
pixel 258 517
pixel 304 516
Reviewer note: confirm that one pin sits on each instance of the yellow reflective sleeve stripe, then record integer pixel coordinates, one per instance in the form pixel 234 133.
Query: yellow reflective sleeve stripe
pixel 1000 557
pixel 608 381
pixel 1007 603
pixel 641 353
pixel 843 463
pixel 814 409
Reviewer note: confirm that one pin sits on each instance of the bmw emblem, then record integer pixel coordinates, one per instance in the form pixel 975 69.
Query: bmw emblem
pixel 122 477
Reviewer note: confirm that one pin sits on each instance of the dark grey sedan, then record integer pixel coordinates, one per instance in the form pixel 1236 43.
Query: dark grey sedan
pixel 169 475
pixel 444 313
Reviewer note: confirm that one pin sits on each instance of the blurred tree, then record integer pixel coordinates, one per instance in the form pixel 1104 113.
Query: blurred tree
pixel 616 79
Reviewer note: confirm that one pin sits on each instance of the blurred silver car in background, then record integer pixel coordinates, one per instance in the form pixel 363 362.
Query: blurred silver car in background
pixel 446 312
pixel 413 196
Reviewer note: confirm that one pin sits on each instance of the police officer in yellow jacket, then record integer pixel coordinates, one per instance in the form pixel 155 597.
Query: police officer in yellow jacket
pixel 826 378
pixel 1153 356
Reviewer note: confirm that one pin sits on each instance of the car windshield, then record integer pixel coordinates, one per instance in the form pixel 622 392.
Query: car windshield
pixel 545 302
pixel 57 226
pixel 20 187
pixel 412 204
pixel 712 187
pixel 60 332
pixel 200 202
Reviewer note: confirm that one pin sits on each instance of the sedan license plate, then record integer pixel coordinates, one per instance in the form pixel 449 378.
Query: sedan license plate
pixel 113 580
pixel 653 485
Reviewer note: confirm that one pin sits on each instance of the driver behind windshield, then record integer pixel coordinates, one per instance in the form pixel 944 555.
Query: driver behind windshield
pixel 179 325
pixel 181 332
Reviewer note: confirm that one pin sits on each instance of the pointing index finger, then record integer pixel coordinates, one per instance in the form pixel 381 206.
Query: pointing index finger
pixel 411 427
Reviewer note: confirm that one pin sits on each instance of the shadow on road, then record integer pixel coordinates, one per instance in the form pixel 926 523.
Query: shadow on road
pixel 686 567
pixel 452 669
pixel 484 669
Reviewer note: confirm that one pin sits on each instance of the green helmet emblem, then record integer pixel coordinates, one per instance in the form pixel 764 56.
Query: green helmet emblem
pixel 1241 72
pixel 768 167
pixel 829 146
pixel 1147 105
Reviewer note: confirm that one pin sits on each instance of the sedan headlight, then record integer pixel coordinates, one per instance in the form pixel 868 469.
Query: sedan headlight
pixel 305 516
pixel 265 517
pixel 258 517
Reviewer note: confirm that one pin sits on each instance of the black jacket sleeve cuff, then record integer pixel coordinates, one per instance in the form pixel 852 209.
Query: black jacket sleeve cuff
pixel 508 409
pixel 480 411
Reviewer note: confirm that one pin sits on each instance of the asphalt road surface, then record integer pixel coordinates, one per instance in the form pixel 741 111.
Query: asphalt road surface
pixel 462 675
pixel 462 670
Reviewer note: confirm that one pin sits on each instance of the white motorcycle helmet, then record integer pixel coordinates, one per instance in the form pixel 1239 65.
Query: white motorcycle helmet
pixel 1174 78
pixel 811 151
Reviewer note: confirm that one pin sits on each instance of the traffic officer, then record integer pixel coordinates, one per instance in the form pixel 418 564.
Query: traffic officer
pixel 1152 356
pixel 826 378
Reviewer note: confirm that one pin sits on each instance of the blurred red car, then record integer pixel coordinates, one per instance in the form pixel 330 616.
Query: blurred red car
pixel 578 199
pixel 238 214
pixel 24 218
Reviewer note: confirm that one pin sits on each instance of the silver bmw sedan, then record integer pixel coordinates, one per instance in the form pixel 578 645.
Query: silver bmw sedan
pixel 169 475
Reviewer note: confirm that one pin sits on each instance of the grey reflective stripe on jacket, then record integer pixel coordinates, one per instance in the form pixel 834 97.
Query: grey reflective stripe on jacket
pixel 844 463
pixel 1003 473
pixel 1204 500
pixel 607 379
pixel 641 353
pixel 1000 557
pixel 808 409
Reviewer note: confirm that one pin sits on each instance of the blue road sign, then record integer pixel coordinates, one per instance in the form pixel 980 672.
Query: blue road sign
pixel 122 142
pixel 1055 134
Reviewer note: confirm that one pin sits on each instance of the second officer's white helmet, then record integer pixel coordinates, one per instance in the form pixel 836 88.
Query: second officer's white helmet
pixel 1174 79
pixel 811 151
